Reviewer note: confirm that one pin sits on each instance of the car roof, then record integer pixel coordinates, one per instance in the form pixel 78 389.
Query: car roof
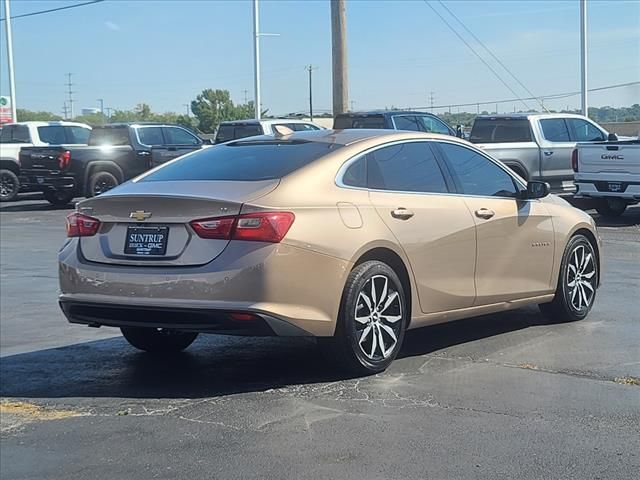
pixel 384 113
pixel 347 136
pixel 529 115
pixel 140 124
pixel 265 121
pixel 52 123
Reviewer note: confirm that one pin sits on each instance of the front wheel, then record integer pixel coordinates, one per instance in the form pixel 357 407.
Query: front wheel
pixel 577 282
pixel 9 185
pixel 59 198
pixel 158 340
pixel 611 207
pixel 372 322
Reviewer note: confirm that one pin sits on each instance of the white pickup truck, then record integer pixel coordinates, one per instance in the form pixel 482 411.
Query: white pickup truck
pixel 14 136
pixel 608 172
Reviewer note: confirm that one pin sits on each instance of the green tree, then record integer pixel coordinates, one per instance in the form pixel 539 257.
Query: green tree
pixel 93 119
pixel 212 107
pixel 30 116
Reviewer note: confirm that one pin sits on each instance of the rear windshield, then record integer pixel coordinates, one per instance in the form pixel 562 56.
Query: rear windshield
pixel 53 134
pixel 235 132
pixel 244 161
pixel 109 136
pixel 358 122
pixel 499 130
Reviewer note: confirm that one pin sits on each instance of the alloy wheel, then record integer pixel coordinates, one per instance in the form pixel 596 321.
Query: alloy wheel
pixel 580 279
pixel 7 186
pixel 378 318
pixel 102 186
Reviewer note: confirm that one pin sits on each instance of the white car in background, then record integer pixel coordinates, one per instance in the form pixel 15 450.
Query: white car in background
pixel 236 129
pixel 14 136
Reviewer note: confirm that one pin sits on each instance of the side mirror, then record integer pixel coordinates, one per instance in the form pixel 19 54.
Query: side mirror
pixel 535 189
pixel 207 141
pixel 612 137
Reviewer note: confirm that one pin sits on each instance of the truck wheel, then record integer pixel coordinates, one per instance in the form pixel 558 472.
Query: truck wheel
pixel 101 182
pixel 9 185
pixel 59 198
pixel 611 207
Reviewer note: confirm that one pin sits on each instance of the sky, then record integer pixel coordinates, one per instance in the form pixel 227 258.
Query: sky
pixel 400 53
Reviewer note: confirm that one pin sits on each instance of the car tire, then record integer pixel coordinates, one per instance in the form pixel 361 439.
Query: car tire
pixel 9 185
pixel 611 207
pixel 101 182
pixel 372 320
pixel 158 340
pixel 577 283
pixel 59 198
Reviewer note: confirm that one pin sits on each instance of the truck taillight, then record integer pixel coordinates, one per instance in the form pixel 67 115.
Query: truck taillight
pixel 574 160
pixel 79 225
pixel 257 227
pixel 63 159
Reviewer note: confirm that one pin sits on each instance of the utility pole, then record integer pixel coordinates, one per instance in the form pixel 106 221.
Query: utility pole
pixel 352 103
pixel 65 111
pixel 496 108
pixel 431 99
pixel 339 56
pixel 583 56
pixel 246 100
pixel 12 76
pixel 186 106
pixel 310 69
pixel 69 85
pixel 109 110
pixel 101 100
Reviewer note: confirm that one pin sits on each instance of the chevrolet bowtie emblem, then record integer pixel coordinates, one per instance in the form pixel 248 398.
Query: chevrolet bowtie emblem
pixel 140 215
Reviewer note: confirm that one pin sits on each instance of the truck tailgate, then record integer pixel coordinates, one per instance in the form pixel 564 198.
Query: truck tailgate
pixel 40 158
pixel 619 158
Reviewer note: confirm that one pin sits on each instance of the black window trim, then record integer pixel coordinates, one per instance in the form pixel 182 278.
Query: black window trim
pixel 458 187
pixel 448 179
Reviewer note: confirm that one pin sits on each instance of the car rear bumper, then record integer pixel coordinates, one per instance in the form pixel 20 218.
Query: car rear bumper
pixel 629 190
pixel 46 180
pixel 292 290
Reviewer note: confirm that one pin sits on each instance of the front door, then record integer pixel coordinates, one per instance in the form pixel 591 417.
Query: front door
pixel 515 241
pixel 435 229
pixel 556 147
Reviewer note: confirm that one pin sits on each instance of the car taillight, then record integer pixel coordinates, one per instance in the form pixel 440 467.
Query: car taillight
pixel 79 225
pixel 574 160
pixel 257 227
pixel 63 159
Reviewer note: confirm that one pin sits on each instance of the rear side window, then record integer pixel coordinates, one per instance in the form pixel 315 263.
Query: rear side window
pixel 15 134
pixel 236 132
pixel 299 127
pixel 406 122
pixel 356 174
pixel 585 131
pixel 369 121
pixel 500 130
pixel 150 136
pixel 109 136
pixel 405 167
pixel 78 135
pixel 244 161
pixel 433 125
pixel 179 136
pixel 53 135
pixel 555 130
pixel 476 174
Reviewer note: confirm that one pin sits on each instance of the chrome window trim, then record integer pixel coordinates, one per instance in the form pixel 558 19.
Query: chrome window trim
pixel 343 168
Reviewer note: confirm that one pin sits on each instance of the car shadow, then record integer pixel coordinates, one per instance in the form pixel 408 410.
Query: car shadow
pixel 35 207
pixel 214 366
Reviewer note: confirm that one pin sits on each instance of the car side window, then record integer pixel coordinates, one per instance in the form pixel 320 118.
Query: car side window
pixel 356 174
pixel 585 131
pixel 179 136
pixel 406 122
pixel 405 167
pixel 433 125
pixel 476 174
pixel 151 136
pixel 555 130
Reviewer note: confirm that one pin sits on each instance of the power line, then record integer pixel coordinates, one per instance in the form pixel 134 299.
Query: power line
pixel 13 17
pixel 554 96
pixel 489 52
pixel 475 53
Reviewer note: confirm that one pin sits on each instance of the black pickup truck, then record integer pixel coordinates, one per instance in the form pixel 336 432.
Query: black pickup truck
pixel 116 153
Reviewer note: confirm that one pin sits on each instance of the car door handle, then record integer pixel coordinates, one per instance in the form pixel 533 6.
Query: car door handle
pixel 548 153
pixel 402 213
pixel 485 213
pixel 144 153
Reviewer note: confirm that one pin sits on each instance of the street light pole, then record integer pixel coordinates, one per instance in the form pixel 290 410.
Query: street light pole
pixel 101 100
pixel 583 56
pixel 256 59
pixel 12 78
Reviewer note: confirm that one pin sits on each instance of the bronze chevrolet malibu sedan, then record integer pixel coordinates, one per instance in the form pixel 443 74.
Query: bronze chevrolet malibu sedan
pixel 353 236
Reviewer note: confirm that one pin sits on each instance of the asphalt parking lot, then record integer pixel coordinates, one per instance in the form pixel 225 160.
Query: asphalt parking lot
pixel 503 396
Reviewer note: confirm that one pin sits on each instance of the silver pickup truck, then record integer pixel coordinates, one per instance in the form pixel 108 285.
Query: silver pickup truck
pixel 537 146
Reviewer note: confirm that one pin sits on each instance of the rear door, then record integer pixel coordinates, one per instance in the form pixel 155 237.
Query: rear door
pixel 411 194
pixel 515 241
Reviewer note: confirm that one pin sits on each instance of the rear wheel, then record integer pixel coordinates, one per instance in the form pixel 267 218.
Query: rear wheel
pixel 59 198
pixel 101 182
pixel 372 322
pixel 9 185
pixel 611 207
pixel 158 340
pixel 577 283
